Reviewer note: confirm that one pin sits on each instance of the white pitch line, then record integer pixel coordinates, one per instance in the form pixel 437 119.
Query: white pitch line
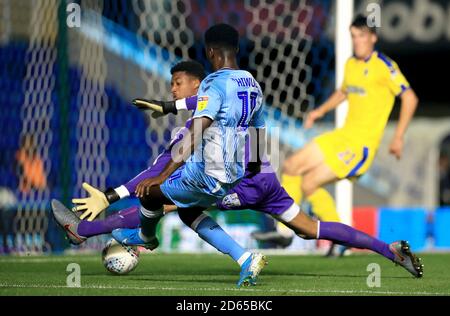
pixel 50 260
pixel 298 291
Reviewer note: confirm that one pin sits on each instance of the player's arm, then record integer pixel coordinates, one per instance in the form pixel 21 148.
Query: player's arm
pixel 208 104
pixel 400 87
pixel 333 102
pixel 189 103
pixel 338 96
pixel 409 102
pixel 161 108
pixel 99 200
pixel 96 202
pixel 186 148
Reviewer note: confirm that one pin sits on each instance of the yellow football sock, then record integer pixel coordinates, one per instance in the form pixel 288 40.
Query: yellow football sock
pixel 293 187
pixel 323 206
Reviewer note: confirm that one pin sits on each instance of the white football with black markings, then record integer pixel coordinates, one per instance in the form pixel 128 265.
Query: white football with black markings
pixel 119 259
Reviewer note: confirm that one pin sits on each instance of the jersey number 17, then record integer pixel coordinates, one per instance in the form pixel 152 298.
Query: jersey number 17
pixel 246 112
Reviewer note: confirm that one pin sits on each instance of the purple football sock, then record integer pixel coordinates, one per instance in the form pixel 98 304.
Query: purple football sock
pixel 350 237
pixel 127 218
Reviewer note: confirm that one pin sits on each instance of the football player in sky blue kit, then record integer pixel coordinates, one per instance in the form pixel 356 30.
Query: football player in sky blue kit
pixel 203 179
pixel 209 160
pixel 186 79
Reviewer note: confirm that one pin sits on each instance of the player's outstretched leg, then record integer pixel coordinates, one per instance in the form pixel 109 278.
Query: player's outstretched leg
pixel 126 218
pixel 348 236
pixel 251 269
pixel 134 237
pixel 150 213
pixel 342 234
pixel 211 232
pixel 68 221
pixel 405 258
pixel 79 230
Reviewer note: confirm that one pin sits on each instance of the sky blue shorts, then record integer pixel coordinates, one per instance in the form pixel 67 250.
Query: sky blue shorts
pixel 189 186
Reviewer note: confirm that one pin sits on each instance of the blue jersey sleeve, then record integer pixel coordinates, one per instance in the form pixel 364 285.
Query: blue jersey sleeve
pixel 209 101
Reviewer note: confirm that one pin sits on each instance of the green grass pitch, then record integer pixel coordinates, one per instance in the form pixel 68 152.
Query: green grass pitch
pixel 208 274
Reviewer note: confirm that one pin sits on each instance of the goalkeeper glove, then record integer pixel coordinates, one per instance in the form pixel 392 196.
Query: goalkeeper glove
pixel 95 203
pixel 159 108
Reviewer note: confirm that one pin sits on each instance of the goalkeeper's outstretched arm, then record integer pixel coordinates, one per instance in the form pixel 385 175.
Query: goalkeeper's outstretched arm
pixel 185 148
pixel 99 200
pixel 161 108
pixel 189 104
pixel 95 203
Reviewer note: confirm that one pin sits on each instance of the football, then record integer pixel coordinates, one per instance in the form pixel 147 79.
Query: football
pixel 119 259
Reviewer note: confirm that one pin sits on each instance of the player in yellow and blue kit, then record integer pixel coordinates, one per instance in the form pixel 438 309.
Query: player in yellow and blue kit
pixel 372 81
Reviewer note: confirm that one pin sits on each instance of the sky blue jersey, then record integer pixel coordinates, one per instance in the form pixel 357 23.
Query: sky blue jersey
pixel 233 100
